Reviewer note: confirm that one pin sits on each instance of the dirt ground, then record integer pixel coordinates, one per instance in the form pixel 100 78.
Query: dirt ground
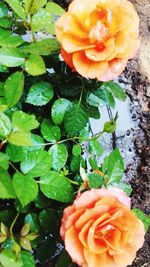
pixel 138 72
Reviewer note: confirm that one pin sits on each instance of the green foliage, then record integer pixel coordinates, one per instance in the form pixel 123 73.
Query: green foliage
pixel 113 166
pixel 36 163
pixel 75 119
pixel 9 40
pixel 56 186
pixel 11 57
pixel 59 155
pixel 6 187
pixel 40 94
pixel 50 132
pixel 116 90
pixel 35 65
pixel 16 7
pixel 95 180
pixel 25 188
pixel 96 148
pixel 58 110
pixel 5 125
pixel 143 217
pixel 13 88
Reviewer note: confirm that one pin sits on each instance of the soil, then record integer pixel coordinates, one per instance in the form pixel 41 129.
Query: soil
pixel 138 74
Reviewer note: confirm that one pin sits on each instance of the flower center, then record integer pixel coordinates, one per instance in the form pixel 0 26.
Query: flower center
pixel 100 20
pixel 98 32
pixel 105 232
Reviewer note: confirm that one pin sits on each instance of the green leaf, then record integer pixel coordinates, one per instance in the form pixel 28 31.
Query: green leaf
pixel 8 259
pixel 44 47
pixel 40 94
pixel 32 219
pixel 6 187
pixel 16 6
pixel 46 216
pixel 56 186
pixel 93 112
pixel 97 98
pixel 22 121
pixel 3 68
pixel 76 150
pixel 7 216
pixel 50 132
pixel 25 187
pixel 58 110
pixel 14 88
pixel 36 163
pixel 4 161
pixel 11 57
pixel 9 40
pixel 143 217
pixel 42 21
pixel 113 166
pixel 116 89
pixel 35 65
pixel 109 126
pixel 75 119
pixel 16 153
pixel 3 10
pixel 5 22
pixel 75 164
pixel 125 187
pixel 19 153
pixel 32 6
pixel 20 138
pixel 93 163
pixel 101 97
pixel 59 156
pixel 96 148
pixel 95 180
pixel 5 125
pixel 110 99
pixel 63 259
pixel 54 9
pixel 27 259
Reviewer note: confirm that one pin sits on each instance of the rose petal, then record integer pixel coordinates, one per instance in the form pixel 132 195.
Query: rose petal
pixel 87 67
pixel 74 246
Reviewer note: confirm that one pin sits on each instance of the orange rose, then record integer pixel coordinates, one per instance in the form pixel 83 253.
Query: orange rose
pixel 98 37
pixel 100 230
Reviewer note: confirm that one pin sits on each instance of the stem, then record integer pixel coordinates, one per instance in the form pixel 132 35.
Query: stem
pixel 72 182
pixel 73 139
pixel 2 143
pixel 113 134
pixel 32 32
pixel 12 165
pixel 12 225
pixel 80 99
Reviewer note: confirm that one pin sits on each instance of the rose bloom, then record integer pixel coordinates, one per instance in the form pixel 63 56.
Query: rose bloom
pixel 98 37
pixel 100 230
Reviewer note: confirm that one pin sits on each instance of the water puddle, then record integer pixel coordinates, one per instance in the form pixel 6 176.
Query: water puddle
pixel 124 137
